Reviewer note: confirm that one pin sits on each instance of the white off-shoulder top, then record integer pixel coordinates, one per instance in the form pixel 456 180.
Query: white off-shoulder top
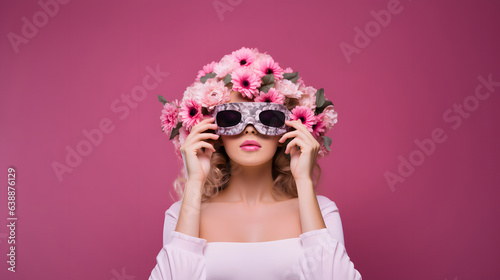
pixel 318 254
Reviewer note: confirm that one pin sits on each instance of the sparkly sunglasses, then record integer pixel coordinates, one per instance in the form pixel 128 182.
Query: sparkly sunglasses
pixel 268 118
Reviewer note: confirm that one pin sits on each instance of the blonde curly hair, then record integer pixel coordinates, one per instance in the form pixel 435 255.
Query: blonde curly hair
pixel 220 173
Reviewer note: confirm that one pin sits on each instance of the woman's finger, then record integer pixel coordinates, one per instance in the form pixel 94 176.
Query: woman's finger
pixel 291 145
pixel 202 124
pixel 194 137
pixel 303 145
pixel 206 136
pixel 300 127
pixel 202 144
pixel 287 135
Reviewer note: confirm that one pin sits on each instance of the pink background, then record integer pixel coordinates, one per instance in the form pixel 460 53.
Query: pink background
pixel 104 220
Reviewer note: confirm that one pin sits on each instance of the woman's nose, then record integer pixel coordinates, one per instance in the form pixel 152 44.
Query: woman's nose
pixel 250 129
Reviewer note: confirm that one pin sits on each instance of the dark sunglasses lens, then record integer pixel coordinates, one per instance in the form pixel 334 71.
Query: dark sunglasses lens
pixel 272 118
pixel 228 118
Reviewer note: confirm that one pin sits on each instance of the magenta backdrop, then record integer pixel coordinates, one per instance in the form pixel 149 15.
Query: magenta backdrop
pixel 414 155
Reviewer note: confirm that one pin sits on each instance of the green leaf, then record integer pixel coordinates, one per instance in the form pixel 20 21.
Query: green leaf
pixel 227 79
pixel 266 88
pixel 207 76
pixel 328 141
pixel 162 99
pixel 320 97
pixel 175 131
pixel 320 110
pixel 268 79
pixel 293 77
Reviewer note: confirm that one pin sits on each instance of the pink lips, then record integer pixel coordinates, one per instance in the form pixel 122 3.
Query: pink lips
pixel 250 145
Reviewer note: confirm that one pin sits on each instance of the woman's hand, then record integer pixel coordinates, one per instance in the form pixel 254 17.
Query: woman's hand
pixel 301 160
pixel 196 152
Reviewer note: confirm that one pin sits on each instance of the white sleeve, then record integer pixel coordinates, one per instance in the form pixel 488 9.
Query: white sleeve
pixel 182 255
pixel 331 216
pixel 324 255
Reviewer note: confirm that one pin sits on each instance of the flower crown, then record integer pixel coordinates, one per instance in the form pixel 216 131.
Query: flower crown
pixel 255 76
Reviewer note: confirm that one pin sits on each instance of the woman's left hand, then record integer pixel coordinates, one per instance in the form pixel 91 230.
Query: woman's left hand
pixel 301 161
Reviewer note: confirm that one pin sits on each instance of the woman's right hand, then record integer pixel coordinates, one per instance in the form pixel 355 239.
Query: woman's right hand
pixel 196 152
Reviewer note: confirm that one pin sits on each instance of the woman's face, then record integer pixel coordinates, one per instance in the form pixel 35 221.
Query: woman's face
pixel 250 155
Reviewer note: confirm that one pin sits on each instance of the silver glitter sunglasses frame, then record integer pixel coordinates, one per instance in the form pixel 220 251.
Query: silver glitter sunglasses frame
pixel 250 113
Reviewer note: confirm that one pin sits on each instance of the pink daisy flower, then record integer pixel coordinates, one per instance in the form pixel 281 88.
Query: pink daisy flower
pixel 206 69
pixel 268 66
pixel 320 127
pixel 246 82
pixel 272 96
pixel 305 115
pixel 190 113
pixel 169 116
pixel 244 56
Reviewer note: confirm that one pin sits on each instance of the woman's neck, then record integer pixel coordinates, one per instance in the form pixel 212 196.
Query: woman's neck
pixel 250 185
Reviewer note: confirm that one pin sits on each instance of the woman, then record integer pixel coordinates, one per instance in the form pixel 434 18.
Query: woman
pixel 249 208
